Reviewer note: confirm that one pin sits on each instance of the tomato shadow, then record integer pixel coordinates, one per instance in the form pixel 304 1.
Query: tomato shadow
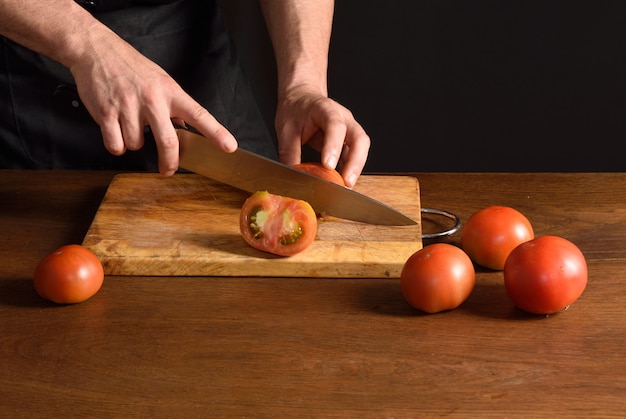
pixel 229 243
pixel 20 292
pixel 490 299
pixel 384 296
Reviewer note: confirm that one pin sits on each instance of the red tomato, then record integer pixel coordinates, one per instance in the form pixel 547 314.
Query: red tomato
pixel 438 277
pixel 70 274
pixel 277 224
pixel 319 170
pixel 490 234
pixel 545 275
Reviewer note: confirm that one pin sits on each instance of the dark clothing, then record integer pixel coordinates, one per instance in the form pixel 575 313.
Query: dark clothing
pixel 44 125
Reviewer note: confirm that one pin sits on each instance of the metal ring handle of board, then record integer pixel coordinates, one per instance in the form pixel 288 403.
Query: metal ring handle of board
pixel 447 214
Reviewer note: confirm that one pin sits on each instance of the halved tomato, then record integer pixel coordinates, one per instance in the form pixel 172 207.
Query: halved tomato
pixel 277 224
pixel 319 170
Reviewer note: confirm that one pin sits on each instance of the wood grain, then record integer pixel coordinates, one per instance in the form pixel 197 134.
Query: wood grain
pixel 188 225
pixel 268 347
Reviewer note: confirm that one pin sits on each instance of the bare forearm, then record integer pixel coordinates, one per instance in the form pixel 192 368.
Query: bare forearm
pixel 300 32
pixel 58 29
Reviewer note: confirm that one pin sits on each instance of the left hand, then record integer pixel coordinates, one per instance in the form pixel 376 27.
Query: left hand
pixel 309 118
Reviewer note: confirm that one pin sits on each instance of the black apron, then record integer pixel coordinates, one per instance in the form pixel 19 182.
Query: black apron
pixel 45 126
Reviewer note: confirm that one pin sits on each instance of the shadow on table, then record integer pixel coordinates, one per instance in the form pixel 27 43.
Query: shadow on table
pixel 20 292
pixel 488 299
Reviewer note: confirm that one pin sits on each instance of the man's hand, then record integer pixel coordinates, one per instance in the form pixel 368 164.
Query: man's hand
pixel 313 119
pixel 122 89
pixel 124 92
pixel 300 33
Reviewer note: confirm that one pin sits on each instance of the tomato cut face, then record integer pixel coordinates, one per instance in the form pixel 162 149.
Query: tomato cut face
pixel 276 224
pixel 321 171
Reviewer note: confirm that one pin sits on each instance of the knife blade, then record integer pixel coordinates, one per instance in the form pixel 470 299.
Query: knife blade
pixel 251 172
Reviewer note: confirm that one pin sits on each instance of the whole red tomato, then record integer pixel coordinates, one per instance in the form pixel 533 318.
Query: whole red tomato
pixel 490 234
pixel 277 224
pixel 545 275
pixel 438 277
pixel 70 274
pixel 319 170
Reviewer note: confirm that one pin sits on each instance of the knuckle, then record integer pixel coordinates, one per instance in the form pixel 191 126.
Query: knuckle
pixel 199 113
pixel 169 142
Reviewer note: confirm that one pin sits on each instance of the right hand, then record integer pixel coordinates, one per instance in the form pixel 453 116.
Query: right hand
pixel 124 91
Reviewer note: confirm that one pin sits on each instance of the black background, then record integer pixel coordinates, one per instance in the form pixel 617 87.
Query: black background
pixel 470 85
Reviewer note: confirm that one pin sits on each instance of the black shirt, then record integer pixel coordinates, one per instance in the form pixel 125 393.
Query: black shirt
pixel 44 124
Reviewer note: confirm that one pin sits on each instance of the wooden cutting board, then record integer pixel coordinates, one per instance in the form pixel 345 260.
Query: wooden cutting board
pixel 188 225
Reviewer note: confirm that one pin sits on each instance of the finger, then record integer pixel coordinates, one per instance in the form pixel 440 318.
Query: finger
pixel 194 114
pixel 334 139
pixel 355 154
pixel 167 145
pixel 165 137
pixel 112 137
pixel 132 133
pixel 289 146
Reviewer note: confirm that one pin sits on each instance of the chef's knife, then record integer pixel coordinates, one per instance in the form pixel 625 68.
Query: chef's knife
pixel 251 172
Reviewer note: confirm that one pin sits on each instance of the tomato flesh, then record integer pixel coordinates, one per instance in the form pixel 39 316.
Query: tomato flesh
pixel 276 224
pixel 545 275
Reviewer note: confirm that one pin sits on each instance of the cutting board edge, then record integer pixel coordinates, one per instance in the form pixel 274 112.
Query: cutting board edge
pixel 311 263
pixel 113 267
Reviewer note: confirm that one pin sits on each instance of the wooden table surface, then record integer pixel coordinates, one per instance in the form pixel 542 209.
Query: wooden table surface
pixel 290 347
